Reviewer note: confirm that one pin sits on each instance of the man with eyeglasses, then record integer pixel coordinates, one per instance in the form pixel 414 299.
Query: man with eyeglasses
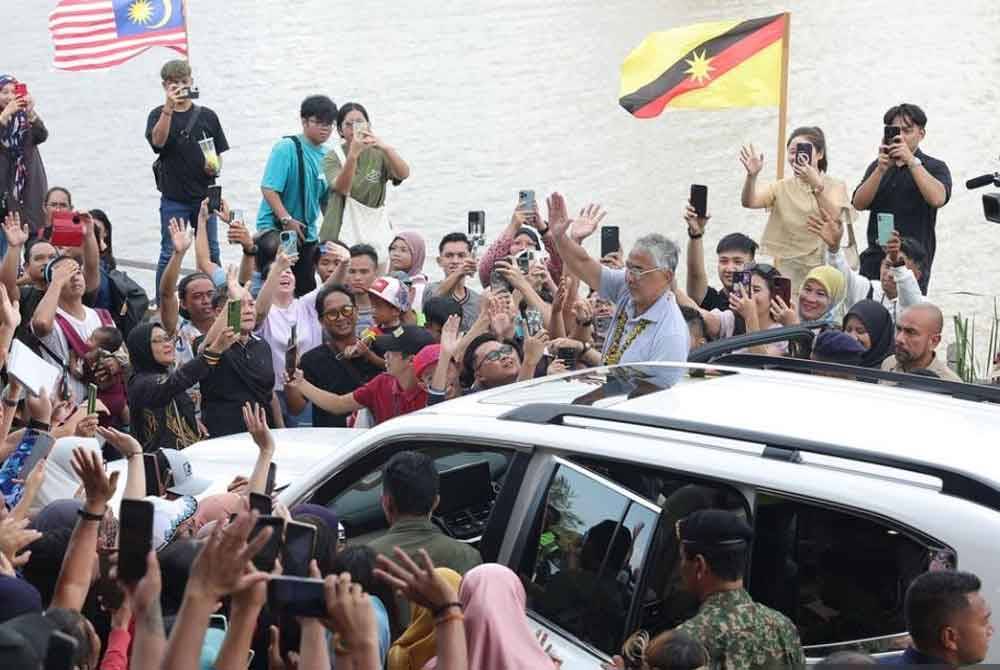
pixel 647 325
pixel 393 393
pixel 294 185
pixel 337 366
pixel 490 362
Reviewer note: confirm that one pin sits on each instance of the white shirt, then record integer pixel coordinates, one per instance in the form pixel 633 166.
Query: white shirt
pixel 277 328
pixel 56 341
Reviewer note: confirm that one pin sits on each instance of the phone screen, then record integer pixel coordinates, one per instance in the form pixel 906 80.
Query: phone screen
pixel 886 222
pixel 783 289
pixel 477 223
pixel 261 503
pixel 526 199
pixel 235 314
pixel 803 153
pixel 153 478
pixel 289 243
pixel 135 539
pixel 300 543
pixel 610 242
pixel 264 560
pixel 297 596
pixel 890 134
pixel 699 199
pixel 741 282
pixel 498 282
pixel 272 472
pixel 91 399
pixel 214 199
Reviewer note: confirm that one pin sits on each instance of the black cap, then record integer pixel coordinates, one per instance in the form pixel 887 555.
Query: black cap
pixel 24 640
pixel 408 340
pixel 714 528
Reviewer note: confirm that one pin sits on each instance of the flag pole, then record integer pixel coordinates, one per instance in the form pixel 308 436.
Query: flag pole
pixel 783 106
pixel 187 31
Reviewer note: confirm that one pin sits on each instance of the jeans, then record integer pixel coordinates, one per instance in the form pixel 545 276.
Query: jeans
pixel 294 420
pixel 170 209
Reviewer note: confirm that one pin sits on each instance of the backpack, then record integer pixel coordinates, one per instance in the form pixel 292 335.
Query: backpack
pixel 129 302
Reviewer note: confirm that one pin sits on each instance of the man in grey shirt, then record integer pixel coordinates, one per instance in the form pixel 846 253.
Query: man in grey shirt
pixel 647 324
pixel 456 260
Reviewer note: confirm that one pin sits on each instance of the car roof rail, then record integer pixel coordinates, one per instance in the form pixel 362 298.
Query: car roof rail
pixel 803 333
pixel 958 390
pixel 963 485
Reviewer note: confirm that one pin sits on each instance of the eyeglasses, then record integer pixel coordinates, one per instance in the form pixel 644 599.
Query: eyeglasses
pixel 58 205
pixel 346 311
pixel 632 272
pixel 320 124
pixel 496 355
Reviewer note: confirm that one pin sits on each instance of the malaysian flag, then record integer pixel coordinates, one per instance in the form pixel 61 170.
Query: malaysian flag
pixel 94 34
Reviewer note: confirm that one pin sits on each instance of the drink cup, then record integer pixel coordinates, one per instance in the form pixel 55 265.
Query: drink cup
pixel 208 149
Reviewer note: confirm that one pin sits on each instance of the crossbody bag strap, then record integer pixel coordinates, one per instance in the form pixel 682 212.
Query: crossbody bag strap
pixel 302 177
pixel 186 133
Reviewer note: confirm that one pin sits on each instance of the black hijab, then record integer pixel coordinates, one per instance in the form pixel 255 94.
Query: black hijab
pixel 140 349
pixel 878 323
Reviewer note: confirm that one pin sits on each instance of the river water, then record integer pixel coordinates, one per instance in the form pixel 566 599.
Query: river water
pixel 485 98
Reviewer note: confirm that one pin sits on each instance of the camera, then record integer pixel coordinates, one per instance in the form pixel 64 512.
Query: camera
pixel 991 201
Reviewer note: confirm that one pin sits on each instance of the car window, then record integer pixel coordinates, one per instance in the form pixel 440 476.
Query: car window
pixel 841 577
pixel 355 493
pixel 583 565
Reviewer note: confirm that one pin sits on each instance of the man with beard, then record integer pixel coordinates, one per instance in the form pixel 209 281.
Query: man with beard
pixel 918 333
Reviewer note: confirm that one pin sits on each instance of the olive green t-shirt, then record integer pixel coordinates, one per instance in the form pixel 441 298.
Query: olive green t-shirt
pixel 368 186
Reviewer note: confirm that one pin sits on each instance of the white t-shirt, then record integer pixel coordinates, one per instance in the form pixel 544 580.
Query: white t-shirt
pixel 56 341
pixel 277 328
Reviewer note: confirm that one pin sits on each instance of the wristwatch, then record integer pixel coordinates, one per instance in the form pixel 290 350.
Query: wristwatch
pixel 252 251
pixel 285 220
pixel 914 162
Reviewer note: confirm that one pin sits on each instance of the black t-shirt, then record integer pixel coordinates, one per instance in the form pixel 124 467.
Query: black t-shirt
pixel 244 374
pixel 321 368
pixel 716 299
pixel 898 195
pixel 183 164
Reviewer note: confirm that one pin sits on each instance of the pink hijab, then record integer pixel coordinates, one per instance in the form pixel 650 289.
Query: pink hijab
pixel 496 627
pixel 417 250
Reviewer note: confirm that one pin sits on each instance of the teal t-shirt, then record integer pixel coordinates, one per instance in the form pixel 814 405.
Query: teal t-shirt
pixel 282 175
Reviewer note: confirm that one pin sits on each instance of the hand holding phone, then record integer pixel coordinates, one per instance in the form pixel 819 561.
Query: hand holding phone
pixel 235 315
pixel 886 224
pixel 889 135
pixel 135 539
pixel 300 545
pixel 214 199
pixel 699 200
pixel 289 243
pixel 268 554
pixel 610 241
pixel 297 596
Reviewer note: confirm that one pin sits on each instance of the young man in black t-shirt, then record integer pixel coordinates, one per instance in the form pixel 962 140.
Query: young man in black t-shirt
pixel 185 172
pixel 336 365
pixel 733 253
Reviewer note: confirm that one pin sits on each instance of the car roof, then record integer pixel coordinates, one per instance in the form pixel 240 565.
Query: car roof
pixel 898 423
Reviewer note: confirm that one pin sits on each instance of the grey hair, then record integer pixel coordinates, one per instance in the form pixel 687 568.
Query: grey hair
pixel 664 252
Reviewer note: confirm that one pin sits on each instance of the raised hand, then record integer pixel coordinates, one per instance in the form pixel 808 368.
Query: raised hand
pixel 450 336
pixel 98 487
pixel 828 228
pixel 180 235
pixel 419 584
pixel 892 248
pixel 15 536
pixel 16 233
pixel 223 565
pixel 222 340
pixel 587 222
pixel 349 610
pixel 782 313
pixel 256 420
pixel 10 314
pixel 696 224
pixel 558 217
pixel 752 161
pixel 125 444
pixel 534 346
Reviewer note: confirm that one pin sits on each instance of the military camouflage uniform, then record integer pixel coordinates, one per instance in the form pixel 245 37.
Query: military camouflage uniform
pixel 740 634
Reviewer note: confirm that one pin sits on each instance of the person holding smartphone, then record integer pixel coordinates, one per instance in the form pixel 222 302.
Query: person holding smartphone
pixel 294 185
pixel 905 182
pixel 23 182
pixel 791 200
pixel 456 260
pixel 733 252
pixel 182 171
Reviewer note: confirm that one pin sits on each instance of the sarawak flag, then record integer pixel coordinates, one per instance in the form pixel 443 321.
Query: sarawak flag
pixel 94 34
pixel 707 65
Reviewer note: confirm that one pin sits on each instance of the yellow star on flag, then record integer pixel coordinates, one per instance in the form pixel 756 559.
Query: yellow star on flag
pixel 701 67
pixel 140 12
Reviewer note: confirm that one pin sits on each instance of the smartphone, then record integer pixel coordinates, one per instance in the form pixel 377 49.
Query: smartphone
pixel 218 621
pixel 523 260
pixel 43 445
pixel 214 199
pixel 60 652
pixel 4 208
pixel 91 398
pixel 297 596
pixel 154 479
pixel 261 503
pixel 886 222
pixel 526 200
pixel 272 472
pixel 803 153
pixel 135 539
pixel 235 314
pixel 534 321
pixel 477 223
pixel 568 355
pixel 300 545
pixel 783 289
pixel 498 282
pixel 609 240
pixel 890 134
pixel 699 199
pixel 264 560
pixel 20 90
pixel 289 243
pixel 741 278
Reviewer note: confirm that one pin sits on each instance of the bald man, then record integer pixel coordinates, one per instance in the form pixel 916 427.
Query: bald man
pixel 918 333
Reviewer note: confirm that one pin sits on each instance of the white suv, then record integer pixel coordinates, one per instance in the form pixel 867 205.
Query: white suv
pixel 576 481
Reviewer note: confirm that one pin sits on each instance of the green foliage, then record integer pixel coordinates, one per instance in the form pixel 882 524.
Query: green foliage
pixel 968 365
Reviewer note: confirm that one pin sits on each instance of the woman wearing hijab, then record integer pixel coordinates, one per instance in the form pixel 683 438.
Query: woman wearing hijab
pixel 163 414
pixel 497 633
pixel 821 294
pixel 406 254
pixel 870 323
pixel 22 174
pixel 417 644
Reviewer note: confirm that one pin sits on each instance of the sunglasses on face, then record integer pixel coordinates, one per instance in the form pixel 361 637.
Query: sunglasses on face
pixel 496 355
pixel 346 311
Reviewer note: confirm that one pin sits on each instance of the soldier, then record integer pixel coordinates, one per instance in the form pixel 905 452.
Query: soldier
pixel 738 633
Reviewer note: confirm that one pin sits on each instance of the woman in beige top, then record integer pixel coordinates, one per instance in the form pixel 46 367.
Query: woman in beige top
pixel 791 200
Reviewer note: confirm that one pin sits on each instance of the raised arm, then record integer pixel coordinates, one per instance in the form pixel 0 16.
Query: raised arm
pixel 697 278
pixel 255 418
pixel 45 314
pixel 91 255
pixel 131 450
pixel 752 197
pixel 398 168
pixel 180 235
pixel 575 258
pixel 330 402
pixel 149 640
pixel 16 235
pixel 266 296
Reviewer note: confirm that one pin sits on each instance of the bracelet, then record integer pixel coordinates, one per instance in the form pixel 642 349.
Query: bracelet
pixel 10 403
pixel 38 425
pixel 454 616
pixel 440 610
pixel 695 237
pixel 252 252
pixel 819 189
pixel 87 516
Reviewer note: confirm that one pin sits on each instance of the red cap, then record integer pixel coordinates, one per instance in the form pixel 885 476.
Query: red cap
pixel 425 358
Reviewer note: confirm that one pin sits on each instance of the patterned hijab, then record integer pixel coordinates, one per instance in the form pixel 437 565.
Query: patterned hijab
pixel 12 138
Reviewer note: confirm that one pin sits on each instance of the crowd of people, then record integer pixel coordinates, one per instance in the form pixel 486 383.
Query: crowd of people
pixel 331 320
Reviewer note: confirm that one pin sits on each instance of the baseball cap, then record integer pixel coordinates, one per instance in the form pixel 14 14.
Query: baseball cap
pixel 426 357
pixel 168 515
pixel 24 640
pixel 408 340
pixel 392 291
pixel 185 483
